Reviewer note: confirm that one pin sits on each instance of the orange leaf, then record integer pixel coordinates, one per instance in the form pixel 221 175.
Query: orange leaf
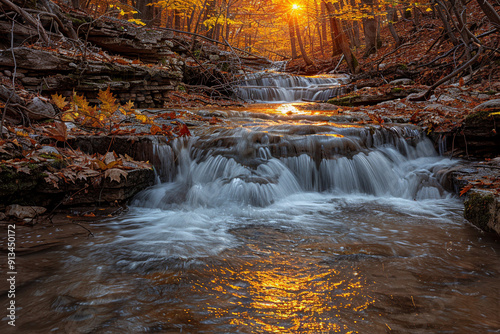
pixel 466 189
pixel 60 101
pixel 121 61
pixel 155 129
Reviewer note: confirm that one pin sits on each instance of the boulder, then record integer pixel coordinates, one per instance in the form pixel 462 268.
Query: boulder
pixel 491 104
pixel 40 110
pixel 21 212
pixel 482 208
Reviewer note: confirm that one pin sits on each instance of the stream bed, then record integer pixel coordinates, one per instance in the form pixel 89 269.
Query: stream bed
pixel 277 223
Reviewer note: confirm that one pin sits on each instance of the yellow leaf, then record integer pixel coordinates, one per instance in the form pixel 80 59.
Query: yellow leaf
pixel 127 108
pixel 60 101
pixel 108 105
pixel 129 105
pixel 69 117
pixel 143 118
pixel 81 103
pixel 137 21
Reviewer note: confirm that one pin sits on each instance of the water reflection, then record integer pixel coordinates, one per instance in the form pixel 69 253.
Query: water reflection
pixel 276 293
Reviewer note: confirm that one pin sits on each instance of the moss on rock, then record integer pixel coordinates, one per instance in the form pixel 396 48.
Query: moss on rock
pixel 343 101
pixel 482 208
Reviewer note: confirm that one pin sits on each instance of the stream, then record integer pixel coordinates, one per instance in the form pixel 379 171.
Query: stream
pixel 279 221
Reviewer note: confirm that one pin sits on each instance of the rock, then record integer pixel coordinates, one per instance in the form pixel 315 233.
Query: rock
pixel 40 110
pixel 454 90
pixel 22 212
pixel 403 81
pixel 440 107
pixel 482 209
pixel 441 98
pixel 491 104
pixel 48 150
pixel 2 216
pixel 7 73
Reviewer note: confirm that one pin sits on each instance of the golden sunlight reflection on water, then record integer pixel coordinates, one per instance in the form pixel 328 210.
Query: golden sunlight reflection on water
pixel 278 294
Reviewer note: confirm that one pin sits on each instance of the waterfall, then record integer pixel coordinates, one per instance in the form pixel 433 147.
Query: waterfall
pixel 282 87
pixel 259 167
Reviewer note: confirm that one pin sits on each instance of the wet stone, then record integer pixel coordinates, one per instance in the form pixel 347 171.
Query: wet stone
pixel 22 212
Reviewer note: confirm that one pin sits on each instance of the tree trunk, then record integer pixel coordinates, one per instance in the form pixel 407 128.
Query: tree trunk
pixel 306 58
pixel 370 29
pixel 393 31
pixel 291 30
pixel 336 49
pixel 446 24
pixel 342 41
pixel 357 38
pixel 177 19
pixel 490 12
pixel 416 16
pixel 145 11
pixel 323 23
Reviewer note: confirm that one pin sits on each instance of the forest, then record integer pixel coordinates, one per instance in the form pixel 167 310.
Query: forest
pixel 269 166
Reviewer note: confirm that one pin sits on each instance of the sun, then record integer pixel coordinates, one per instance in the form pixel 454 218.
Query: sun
pixel 295 6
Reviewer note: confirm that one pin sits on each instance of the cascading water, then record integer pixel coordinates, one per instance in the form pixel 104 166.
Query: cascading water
pixel 281 87
pixel 279 224
pixel 395 161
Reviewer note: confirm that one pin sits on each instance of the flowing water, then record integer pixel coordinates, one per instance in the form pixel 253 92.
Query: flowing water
pixel 282 87
pixel 278 223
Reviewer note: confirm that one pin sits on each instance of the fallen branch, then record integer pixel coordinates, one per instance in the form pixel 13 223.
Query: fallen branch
pixel 464 66
pixel 440 57
pixel 395 50
pixel 206 38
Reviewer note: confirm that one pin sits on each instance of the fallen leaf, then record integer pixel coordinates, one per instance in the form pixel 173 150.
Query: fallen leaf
pixel 109 158
pixel 114 174
pixel 60 101
pixel 155 129
pixel 59 132
pixel 466 189
pixel 182 130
